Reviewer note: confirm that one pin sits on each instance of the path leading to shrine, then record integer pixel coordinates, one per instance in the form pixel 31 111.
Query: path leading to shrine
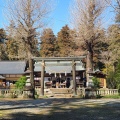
pixel 60 109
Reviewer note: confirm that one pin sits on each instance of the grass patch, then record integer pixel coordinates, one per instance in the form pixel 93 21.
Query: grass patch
pixel 112 96
pixel 2 96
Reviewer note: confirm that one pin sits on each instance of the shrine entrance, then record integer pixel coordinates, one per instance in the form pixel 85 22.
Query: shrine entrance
pixel 57 66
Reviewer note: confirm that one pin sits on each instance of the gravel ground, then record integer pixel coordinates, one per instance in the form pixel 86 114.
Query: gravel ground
pixel 60 109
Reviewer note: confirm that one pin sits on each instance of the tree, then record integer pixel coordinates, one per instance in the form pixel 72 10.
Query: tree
pixel 110 57
pixel 28 17
pixel 66 44
pixel 12 49
pixel 48 43
pixel 2 35
pixel 14 46
pixel 96 83
pixel 86 17
pixel 3 55
pixel 113 78
pixel 116 6
pixel 117 18
pixel 110 54
pixel 113 40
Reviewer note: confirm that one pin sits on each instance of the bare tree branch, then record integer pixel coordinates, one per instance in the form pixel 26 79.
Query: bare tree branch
pixel 29 17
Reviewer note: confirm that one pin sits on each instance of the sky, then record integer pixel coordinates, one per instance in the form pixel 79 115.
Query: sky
pixel 60 15
pixel 2 19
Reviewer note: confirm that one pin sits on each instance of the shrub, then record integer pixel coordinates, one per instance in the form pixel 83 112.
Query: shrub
pixel 96 83
pixel 20 84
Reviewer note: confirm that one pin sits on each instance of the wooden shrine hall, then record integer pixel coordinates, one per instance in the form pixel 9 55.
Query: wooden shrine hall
pixel 56 66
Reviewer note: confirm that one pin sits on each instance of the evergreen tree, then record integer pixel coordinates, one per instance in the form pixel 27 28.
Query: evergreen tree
pixel 14 36
pixel 48 43
pixel 12 49
pixel 66 44
pixel 3 55
pixel 2 35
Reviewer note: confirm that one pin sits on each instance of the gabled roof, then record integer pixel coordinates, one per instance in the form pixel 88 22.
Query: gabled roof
pixel 59 66
pixel 12 67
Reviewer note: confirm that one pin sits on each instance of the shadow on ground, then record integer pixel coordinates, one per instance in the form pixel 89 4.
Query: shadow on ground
pixel 62 109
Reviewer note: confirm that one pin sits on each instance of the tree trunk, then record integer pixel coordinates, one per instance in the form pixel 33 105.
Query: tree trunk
pixel 89 64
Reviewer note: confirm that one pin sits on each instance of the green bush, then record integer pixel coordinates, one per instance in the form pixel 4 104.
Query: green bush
pixel 96 83
pixel 20 84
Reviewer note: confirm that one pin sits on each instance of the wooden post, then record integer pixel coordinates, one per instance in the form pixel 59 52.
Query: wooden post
pixel 74 77
pixel 31 64
pixel 42 77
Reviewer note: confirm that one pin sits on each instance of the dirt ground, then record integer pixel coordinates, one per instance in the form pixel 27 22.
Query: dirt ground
pixel 60 109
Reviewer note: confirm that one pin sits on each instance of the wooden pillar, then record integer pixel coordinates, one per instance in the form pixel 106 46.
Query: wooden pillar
pixel 42 77
pixel 31 64
pixel 104 83
pixel 74 77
